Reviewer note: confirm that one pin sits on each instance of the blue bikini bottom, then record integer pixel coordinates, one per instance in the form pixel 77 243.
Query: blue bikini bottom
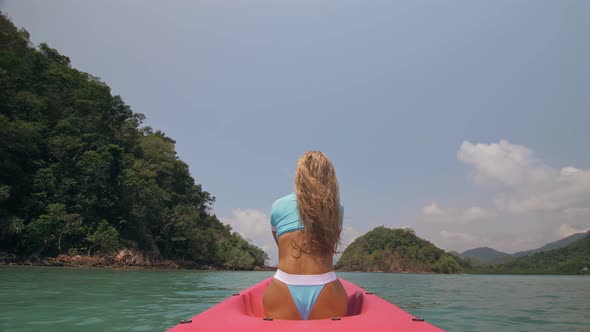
pixel 305 288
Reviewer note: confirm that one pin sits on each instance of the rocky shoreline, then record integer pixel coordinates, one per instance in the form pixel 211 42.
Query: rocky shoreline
pixel 122 259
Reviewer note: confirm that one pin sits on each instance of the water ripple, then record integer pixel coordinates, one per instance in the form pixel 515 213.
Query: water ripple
pixel 61 299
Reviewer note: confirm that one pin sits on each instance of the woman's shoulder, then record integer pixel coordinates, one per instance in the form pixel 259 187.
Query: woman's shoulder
pixel 286 200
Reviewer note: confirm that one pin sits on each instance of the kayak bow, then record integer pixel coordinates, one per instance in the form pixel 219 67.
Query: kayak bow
pixel 244 312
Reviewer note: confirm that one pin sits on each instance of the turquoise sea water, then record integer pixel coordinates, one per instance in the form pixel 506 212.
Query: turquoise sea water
pixel 63 299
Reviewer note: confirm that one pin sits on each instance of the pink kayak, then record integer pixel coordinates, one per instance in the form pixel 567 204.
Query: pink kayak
pixel 244 312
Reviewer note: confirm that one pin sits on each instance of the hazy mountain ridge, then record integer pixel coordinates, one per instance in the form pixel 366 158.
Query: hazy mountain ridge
pixel 553 245
pixel 486 255
pixel 492 256
pixel 571 259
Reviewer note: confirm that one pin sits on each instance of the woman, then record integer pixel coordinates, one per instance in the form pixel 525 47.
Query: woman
pixel 306 226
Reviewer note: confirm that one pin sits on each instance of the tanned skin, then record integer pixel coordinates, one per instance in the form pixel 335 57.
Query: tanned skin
pixel 278 304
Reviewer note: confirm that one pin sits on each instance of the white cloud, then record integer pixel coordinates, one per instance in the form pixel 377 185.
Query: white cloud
pixel 503 163
pixel 434 212
pixel 567 230
pixel 349 234
pixel 531 203
pixel 567 192
pixel 528 184
pixel 254 226
pixel 249 223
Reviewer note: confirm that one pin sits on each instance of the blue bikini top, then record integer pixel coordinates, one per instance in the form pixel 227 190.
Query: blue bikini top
pixel 284 215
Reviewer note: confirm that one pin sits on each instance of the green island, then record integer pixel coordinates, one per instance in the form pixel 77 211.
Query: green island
pixel 82 183
pixel 401 251
pixel 396 250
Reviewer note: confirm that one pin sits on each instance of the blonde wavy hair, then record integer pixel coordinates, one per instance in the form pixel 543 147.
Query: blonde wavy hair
pixel 318 202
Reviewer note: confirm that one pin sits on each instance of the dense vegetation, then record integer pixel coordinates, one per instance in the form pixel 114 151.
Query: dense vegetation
pixel 572 259
pixel 78 173
pixel 395 250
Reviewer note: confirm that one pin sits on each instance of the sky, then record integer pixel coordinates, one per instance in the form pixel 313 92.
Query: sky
pixel 466 121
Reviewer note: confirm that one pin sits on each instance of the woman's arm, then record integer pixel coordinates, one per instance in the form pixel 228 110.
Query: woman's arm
pixel 273 223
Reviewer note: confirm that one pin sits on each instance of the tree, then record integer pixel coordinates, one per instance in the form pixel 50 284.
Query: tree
pixel 105 238
pixel 48 231
pixel 78 172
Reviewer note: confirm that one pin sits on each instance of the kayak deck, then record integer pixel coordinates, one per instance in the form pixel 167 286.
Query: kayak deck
pixel 244 312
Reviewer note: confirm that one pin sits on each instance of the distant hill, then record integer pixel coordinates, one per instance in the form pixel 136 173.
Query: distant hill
pixel 395 250
pixel 553 245
pixel 572 259
pixel 454 253
pixel 487 255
